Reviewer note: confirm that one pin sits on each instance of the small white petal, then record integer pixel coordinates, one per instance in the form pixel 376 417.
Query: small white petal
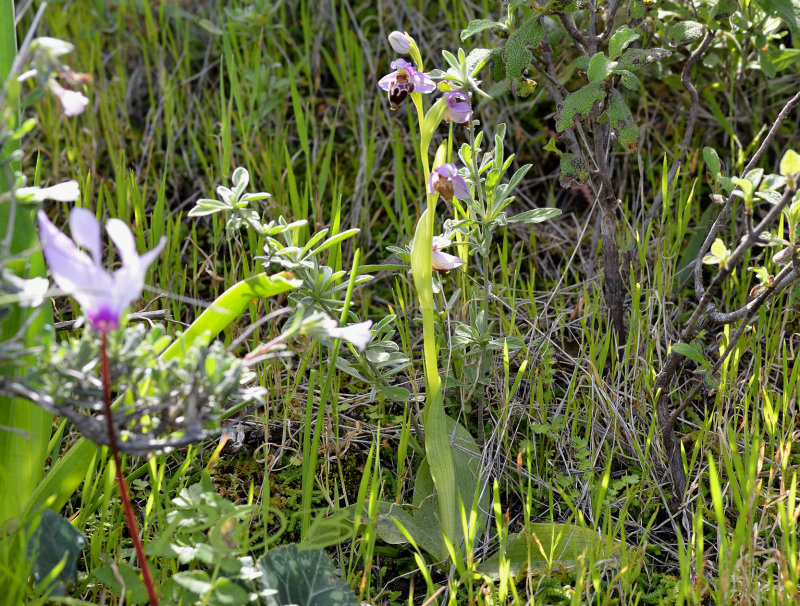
pixel 357 334
pixel 68 191
pixel 72 101
pixel 53 46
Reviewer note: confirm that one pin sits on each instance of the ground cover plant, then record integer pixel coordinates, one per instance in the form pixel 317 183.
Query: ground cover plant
pixel 399 303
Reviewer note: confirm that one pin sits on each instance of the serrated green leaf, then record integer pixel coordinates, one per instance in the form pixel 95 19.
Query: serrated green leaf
pixel 685 32
pixel 480 25
pixel 579 104
pixel 790 163
pixel 637 58
pixel 573 171
pixel 621 121
pixel 516 52
pixel 599 68
pixel 621 39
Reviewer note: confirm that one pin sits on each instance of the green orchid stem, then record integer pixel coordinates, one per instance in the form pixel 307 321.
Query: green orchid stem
pixel 133 529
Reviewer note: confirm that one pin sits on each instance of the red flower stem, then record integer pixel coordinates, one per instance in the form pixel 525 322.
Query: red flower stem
pixel 133 530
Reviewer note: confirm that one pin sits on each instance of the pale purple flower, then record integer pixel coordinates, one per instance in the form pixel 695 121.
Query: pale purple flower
pixel 458 108
pixel 72 101
pixel 102 295
pixel 404 80
pixel 399 42
pixel 442 262
pixel 67 191
pixel 448 183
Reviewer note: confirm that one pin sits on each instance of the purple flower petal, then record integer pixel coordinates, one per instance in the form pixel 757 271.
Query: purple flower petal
pixel 102 296
pixel 460 188
pixel 386 82
pixel 85 230
pixel 423 83
pixel 458 108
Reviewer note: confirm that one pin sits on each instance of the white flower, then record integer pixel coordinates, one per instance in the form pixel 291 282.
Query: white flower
pixel 30 293
pixel 68 191
pixel 72 101
pixel 52 46
pixel 357 334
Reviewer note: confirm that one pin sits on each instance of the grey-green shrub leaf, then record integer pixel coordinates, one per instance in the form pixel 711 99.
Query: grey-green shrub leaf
pixel 573 171
pixel 599 68
pixel 692 350
pixel 579 104
pixel 621 39
pixel 302 577
pixel 480 25
pixel 685 32
pixel 637 58
pixel 536 215
pixel 621 121
pixel 516 53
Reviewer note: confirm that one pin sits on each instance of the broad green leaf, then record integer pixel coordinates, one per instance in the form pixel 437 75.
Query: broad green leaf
pixel 577 105
pixel 573 171
pixel 628 79
pixel 787 10
pixel 637 58
pixel 722 9
pixel 55 543
pixel 599 68
pixel 229 306
pixel 302 578
pixel 621 121
pixel 135 591
pixel 480 25
pixel 685 32
pixel 562 544
pixel 790 163
pixel 621 39
pixel 746 186
pixel 692 350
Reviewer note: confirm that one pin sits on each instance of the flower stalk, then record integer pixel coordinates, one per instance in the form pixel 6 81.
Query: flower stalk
pixel 124 495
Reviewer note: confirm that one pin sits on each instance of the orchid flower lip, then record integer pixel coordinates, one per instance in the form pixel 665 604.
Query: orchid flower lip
pixel 446 181
pixel 404 80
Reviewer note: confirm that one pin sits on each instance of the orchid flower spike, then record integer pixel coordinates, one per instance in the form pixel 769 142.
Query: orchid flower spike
pixel 448 183
pixel 399 42
pixel 442 262
pixel 404 80
pixel 458 108
pixel 102 295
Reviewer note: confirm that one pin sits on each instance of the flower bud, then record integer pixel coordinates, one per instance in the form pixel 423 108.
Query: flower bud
pixel 399 42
